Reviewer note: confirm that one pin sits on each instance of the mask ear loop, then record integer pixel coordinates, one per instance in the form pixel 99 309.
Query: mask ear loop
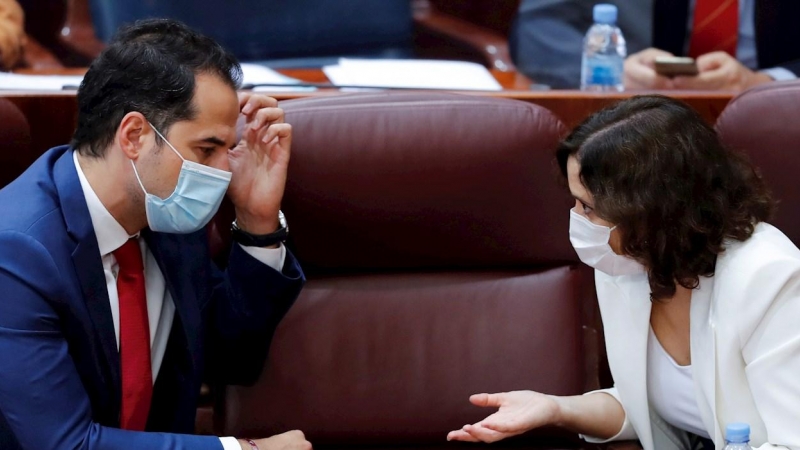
pixel 136 172
pixel 165 140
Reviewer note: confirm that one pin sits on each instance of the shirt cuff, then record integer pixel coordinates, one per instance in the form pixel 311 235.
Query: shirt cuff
pixel 230 443
pixel 780 74
pixel 272 257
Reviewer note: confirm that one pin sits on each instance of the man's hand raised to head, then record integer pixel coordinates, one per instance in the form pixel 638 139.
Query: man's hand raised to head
pixel 259 164
pixel 291 440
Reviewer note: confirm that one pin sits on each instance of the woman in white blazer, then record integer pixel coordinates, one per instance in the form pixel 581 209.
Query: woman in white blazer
pixel 700 297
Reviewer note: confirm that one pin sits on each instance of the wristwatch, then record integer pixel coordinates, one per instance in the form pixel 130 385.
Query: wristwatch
pixel 261 240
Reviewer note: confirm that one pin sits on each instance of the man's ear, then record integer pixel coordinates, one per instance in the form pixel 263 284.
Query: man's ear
pixel 132 133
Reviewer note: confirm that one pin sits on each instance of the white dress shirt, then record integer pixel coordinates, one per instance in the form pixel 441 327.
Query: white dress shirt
pixel 160 307
pixel 746 50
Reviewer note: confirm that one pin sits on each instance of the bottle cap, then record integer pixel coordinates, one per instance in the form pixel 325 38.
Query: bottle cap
pixel 605 13
pixel 738 433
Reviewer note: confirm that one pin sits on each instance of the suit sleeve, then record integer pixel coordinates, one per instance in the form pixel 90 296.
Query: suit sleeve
pixel 42 398
pixel 770 339
pixel 249 300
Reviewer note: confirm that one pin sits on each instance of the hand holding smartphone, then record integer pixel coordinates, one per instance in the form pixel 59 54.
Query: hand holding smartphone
pixel 673 66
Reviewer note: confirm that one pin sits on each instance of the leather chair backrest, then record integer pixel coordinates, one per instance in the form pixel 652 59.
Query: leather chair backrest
pixel 15 136
pixel 434 234
pixel 763 123
pixel 425 181
pixel 264 30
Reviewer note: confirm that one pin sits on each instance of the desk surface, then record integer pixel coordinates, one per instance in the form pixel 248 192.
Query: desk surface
pixel 53 115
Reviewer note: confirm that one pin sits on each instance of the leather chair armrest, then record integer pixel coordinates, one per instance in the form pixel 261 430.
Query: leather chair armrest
pixel 492 46
pixel 35 56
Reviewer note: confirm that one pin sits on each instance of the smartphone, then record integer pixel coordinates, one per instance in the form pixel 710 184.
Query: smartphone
pixel 673 66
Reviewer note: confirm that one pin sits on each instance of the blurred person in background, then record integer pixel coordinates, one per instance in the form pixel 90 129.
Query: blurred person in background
pixel 12 33
pixel 737 43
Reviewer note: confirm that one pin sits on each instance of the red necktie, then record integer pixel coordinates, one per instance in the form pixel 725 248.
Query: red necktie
pixel 715 27
pixel 134 338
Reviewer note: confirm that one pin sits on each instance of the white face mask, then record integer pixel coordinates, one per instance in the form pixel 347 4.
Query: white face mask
pixel 591 243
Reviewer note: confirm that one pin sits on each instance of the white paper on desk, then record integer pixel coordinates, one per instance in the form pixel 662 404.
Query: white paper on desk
pixel 412 73
pixel 13 81
pixel 258 74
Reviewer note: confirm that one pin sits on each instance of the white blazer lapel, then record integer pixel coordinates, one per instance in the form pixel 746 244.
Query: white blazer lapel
pixel 627 323
pixel 704 356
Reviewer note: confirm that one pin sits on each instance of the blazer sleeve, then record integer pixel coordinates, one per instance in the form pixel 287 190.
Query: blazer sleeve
pixel 249 300
pixel 770 340
pixel 42 398
pixel 12 33
pixel 626 432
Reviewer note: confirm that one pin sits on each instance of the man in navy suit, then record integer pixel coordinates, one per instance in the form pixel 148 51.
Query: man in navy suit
pixel 111 311
pixel 546 41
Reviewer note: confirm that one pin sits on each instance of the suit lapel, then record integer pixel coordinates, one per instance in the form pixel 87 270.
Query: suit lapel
pixel 88 265
pixel 167 250
pixel 670 19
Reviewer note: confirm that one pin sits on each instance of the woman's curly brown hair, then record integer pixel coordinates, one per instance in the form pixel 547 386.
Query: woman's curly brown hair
pixel 660 174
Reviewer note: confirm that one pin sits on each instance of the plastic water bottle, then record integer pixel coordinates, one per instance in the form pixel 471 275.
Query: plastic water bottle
pixel 737 436
pixel 604 52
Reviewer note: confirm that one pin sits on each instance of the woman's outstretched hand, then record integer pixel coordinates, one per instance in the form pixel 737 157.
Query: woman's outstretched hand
pixel 518 412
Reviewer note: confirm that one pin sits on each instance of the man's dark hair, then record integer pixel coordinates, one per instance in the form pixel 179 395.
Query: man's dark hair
pixel 659 172
pixel 149 67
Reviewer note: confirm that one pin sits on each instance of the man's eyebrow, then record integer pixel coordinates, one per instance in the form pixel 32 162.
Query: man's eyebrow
pixel 214 140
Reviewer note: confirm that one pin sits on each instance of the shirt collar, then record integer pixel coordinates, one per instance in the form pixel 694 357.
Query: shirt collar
pixel 110 234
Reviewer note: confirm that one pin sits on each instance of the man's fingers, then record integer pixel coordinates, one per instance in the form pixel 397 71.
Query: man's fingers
pixel 712 61
pixel 708 80
pixel 250 103
pixel 638 76
pixel 487 400
pixel 461 435
pixel 282 131
pixel 648 57
pixel 266 116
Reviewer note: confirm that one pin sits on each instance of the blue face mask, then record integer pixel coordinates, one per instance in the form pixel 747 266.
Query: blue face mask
pixel 194 202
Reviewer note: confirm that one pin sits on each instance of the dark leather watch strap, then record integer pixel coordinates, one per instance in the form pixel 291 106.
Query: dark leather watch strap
pixel 258 240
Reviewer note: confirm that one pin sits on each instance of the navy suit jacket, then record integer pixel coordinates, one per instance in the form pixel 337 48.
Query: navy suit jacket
pixel 59 364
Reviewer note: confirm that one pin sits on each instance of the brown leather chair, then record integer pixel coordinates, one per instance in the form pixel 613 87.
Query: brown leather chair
pixel 763 123
pixel 15 136
pixel 434 234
